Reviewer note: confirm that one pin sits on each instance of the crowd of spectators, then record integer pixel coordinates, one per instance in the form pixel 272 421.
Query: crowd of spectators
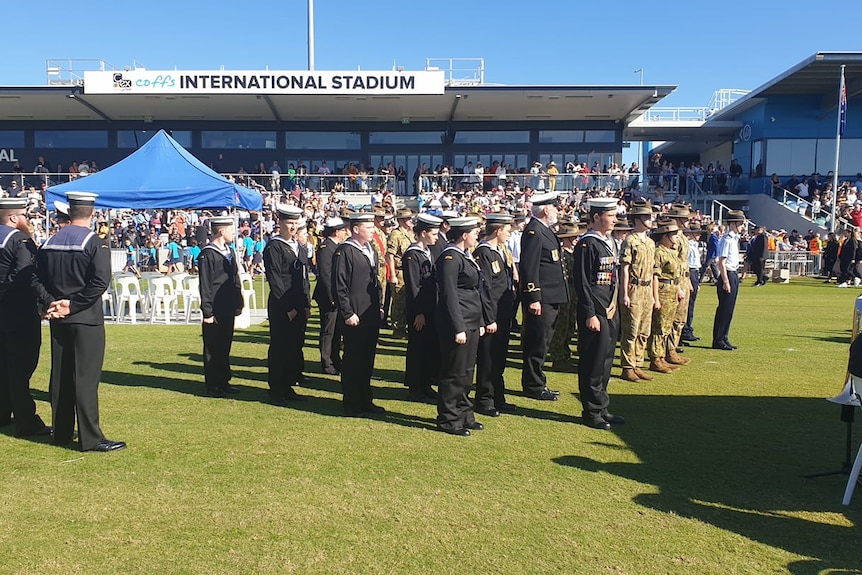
pixel 813 197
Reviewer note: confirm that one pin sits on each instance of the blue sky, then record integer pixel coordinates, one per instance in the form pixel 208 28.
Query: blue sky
pixel 699 47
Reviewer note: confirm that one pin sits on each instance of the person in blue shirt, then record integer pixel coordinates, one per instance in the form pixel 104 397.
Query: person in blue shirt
pixel 175 259
pixel 247 249
pixel 194 252
pixel 711 253
pixel 131 265
pixel 257 257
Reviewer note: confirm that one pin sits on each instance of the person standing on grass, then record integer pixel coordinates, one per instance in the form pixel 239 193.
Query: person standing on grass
pixel 221 302
pixel 288 307
pixel 356 291
pixel 668 292
pixel 334 232
pixel 497 266
pixel 423 359
pixel 461 322
pixel 598 321
pixel 727 283
pixel 22 298
pixel 75 266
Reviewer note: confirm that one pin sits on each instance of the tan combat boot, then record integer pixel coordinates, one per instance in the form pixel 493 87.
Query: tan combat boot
pixel 642 374
pixel 675 359
pixel 629 374
pixel 660 366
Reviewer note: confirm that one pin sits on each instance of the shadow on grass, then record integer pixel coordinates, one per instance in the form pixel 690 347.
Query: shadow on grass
pixel 736 463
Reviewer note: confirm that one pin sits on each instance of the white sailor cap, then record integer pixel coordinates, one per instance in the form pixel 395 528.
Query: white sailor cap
pixel 427 221
pixel 602 204
pixel 288 212
pixel 334 224
pixel 218 221
pixel 81 198
pixel 360 217
pixel 464 224
pixel 301 223
pixel 448 214
pixel 499 218
pixel 544 199
pixel 13 203
pixel 61 207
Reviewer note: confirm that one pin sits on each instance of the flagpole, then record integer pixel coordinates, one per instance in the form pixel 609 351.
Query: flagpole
pixel 841 110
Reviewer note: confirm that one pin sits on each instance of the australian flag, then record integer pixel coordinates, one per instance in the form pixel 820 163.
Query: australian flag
pixel 842 107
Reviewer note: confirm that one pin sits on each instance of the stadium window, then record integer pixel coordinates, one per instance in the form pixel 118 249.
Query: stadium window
pixel 137 138
pixel 237 140
pixel 70 139
pixel 493 137
pixel 600 136
pixel 11 138
pixel 322 141
pixel 404 138
pixel 561 136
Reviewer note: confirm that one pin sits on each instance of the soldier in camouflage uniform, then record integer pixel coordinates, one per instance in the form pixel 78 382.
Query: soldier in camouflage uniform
pixel 398 242
pixel 637 256
pixel 667 293
pixel 681 214
pixel 560 349
pixel 378 242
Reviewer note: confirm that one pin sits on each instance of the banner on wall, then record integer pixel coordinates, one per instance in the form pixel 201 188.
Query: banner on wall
pixel 264 82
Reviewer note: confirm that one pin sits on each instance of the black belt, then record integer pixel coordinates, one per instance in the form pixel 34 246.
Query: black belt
pixel 638 282
pixel 668 282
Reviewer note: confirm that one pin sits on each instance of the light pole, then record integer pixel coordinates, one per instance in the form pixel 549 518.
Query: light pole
pixel 641 162
pixel 311 35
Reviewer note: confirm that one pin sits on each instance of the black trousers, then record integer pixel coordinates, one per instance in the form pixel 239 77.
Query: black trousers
pixel 20 341
pixel 218 338
pixel 724 311
pixel 284 357
pixel 357 364
pixel 849 271
pixel 490 365
pixel 77 353
pixel 330 340
pixel 757 270
pixel 457 366
pixel 422 364
pixel 596 350
pixel 536 336
pixel 694 276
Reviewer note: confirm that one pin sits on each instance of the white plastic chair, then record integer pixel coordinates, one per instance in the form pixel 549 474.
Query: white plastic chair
pixel 108 301
pixel 177 278
pixel 191 287
pixel 146 278
pixel 163 298
pixel 248 293
pixel 129 292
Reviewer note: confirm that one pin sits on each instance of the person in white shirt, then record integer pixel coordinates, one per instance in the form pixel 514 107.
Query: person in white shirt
pixel 727 283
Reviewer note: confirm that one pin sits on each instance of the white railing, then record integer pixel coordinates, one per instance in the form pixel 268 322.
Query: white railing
pixel 799 263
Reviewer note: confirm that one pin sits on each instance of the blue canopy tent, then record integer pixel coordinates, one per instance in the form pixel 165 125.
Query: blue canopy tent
pixel 160 174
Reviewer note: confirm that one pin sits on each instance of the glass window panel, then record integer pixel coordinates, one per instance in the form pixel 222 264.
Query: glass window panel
pixel 71 139
pixel 493 137
pixel 561 136
pixel 404 138
pixel 137 138
pixel 11 138
pixel 237 140
pixel 323 140
pixel 600 136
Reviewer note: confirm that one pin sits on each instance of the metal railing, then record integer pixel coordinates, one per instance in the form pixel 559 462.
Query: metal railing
pixel 799 263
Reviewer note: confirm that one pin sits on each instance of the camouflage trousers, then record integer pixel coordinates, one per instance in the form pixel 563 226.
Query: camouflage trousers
pixel 560 349
pixel 661 340
pixel 635 327
pixel 681 316
pixel 397 311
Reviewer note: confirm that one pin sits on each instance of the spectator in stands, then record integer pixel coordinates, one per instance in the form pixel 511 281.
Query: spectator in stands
pixel 175 260
pixel 735 172
pixel 802 188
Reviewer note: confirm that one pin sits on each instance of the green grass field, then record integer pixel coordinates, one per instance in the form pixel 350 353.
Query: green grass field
pixel 706 476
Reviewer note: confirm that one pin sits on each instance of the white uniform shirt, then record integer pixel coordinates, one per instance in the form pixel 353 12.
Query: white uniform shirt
pixel 728 247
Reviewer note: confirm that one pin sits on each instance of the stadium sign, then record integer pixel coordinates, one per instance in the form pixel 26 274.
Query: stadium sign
pixel 264 82
pixel 7 155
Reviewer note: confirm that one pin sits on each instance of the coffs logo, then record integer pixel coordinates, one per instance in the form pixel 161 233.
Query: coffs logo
pixel 120 83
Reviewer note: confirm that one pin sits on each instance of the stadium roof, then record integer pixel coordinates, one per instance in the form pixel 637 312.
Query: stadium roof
pixel 461 104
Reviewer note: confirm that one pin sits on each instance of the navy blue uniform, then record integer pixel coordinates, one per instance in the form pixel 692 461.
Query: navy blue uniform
pixel 221 298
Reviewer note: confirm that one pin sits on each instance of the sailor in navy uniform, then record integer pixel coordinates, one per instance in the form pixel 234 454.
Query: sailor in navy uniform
pixel 543 289
pixel 334 232
pixel 423 347
pixel 221 302
pixel 288 306
pixel 497 272
pixel 75 266
pixel 23 299
pixel 356 291
pixel 460 324
pixel 595 280
pixel 442 235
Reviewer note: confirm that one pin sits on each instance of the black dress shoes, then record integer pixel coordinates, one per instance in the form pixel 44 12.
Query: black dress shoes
pixel 490 412
pixel 462 432
pixel 722 346
pixel 597 423
pixel 231 389
pixel 546 395
pixel 291 395
pixel 216 392
pixel 508 408
pixel 475 426
pixel 613 419
pixel 374 409
pixel 106 445
pixel 43 431
pixel 730 344
pixel 690 338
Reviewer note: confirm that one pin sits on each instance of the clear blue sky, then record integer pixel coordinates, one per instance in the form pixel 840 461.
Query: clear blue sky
pixel 698 46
